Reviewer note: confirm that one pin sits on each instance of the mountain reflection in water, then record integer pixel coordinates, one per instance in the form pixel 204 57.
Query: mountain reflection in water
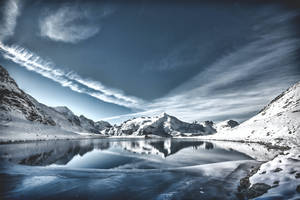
pixel 118 153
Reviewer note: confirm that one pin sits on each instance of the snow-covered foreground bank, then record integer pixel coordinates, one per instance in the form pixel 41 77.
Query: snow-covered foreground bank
pixel 277 126
pixel 279 172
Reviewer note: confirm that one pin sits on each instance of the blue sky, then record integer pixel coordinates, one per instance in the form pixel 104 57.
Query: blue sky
pixel 113 60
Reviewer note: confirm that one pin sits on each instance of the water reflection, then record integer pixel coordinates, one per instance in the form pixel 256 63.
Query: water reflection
pixel 122 153
pixel 119 169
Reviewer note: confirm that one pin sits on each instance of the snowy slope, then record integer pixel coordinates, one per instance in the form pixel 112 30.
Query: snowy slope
pixel 278 123
pixel 84 124
pixel 24 118
pixel 163 125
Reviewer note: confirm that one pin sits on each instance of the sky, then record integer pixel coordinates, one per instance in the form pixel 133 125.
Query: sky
pixel 114 60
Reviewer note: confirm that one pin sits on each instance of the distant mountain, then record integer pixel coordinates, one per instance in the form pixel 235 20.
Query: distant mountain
pixel 163 125
pixel 17 107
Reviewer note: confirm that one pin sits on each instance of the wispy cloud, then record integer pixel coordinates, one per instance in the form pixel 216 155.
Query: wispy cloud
pixel 10 14
pixel 241 83
pixel 33 62
pixel 70 24
pixel 238 84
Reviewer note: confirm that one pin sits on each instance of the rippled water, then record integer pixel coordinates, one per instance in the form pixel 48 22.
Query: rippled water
pixel 119 169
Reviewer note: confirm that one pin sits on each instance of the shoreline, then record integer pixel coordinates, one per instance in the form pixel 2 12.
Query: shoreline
pixel 2 142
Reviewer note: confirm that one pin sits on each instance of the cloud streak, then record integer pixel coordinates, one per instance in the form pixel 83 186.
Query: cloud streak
pixel 69 24
pixel 33 62
pixel 10 14
pixel 241 83
pixel 238 84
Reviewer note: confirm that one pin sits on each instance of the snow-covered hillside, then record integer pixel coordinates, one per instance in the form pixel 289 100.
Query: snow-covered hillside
pixel 163 125
pixel 278 123
pixel 24 118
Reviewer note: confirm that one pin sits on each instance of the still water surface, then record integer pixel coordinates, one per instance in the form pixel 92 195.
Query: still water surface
pixel 118 169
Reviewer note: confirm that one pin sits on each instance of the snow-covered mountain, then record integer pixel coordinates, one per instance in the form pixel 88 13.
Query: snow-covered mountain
pixel 278 123
pixel 21 114
pixel 87 124
pixel 16 103
pixel 163 125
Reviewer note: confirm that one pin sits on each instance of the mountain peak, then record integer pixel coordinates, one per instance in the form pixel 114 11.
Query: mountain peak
pixel 287 100
pixel 164 114
pixel 7 82
pixel 63 110
pixel 3 71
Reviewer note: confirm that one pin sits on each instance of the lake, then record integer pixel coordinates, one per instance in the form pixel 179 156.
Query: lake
pixel 120 169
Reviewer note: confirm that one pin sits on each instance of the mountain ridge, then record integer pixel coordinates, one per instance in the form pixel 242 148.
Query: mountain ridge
pixel 19 107
pixel 163 125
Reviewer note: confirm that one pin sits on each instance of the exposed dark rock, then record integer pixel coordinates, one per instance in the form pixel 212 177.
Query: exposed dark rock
pixel 276 182
pixel 298 188
pixel 257 189
pixel 232 123
pixel 245 183
pixel 277 170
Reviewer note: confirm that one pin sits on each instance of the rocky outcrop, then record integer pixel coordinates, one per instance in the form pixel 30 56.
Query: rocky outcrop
pixel 14 100
pixel 226 125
